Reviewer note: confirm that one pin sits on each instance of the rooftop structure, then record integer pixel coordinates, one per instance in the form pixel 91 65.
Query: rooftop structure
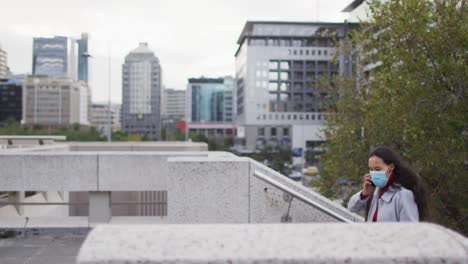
pixel 204 189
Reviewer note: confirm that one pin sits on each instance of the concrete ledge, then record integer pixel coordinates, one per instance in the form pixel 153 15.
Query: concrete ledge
pixel 208 190
pixel 275 243
pixel 49 171
pixel 139 146
pixel 137 171
pixel 58 138
pixel 39 148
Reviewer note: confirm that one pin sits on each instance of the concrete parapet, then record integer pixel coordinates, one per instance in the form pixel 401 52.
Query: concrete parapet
pixel 141 171
pixel 208 190
pixel 48 171
pixel 274 243
pixel 139 146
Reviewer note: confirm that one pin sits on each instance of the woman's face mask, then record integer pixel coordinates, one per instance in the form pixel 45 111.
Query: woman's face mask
pixel 379 171
pixel 379 178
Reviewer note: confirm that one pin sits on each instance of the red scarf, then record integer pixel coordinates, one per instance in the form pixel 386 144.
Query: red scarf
pixel 381 192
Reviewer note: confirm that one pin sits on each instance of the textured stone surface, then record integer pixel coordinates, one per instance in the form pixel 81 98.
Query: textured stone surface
pixel 138 146
pixel 267 206
pixel 274 243
pixel 131 171
pixel 48 171
pixel 208 190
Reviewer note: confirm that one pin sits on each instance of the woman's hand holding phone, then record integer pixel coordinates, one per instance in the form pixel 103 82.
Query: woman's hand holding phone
pixel 368 187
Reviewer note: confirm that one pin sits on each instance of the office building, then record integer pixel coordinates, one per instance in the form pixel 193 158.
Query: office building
pixel 141 92
pixel 55 101
pixel 173 103
pixel 279 70
pixel 11 97
pixel 83 57
pixel 3 63
pixel 101 118
pixel 209 106
pixel 61 57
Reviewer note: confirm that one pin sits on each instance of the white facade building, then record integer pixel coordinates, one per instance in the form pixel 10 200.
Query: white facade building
pixel 101 118
pixel 279 66
pixel 55 101
pixel 141 92
pixel 3 63
pixel 173 103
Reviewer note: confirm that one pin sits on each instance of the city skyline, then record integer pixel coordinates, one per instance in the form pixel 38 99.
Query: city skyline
pixel 186 40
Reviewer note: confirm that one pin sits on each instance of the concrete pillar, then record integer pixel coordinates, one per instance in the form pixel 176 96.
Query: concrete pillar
pixel 99 207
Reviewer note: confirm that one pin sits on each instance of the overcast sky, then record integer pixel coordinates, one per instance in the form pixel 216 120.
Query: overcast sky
pixel 191 38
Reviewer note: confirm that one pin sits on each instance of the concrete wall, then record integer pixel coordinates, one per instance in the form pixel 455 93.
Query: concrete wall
pixel 138 146
pixel 274 243
pixel 202 187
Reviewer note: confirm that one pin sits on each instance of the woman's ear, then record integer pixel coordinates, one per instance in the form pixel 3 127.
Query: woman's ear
pixel 391 167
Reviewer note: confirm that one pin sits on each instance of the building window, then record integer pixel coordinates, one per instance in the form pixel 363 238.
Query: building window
pixel 273 76
pixel 273 86
pixel 273 131
pixel 273 65
pixel 261 131
pixel 285 131
pixel 284 65
pixel 284 76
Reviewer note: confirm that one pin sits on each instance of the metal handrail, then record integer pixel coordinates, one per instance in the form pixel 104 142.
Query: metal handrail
pixel 299 196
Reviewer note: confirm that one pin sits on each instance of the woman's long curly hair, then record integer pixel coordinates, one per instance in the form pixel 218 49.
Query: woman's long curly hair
pixel 403 175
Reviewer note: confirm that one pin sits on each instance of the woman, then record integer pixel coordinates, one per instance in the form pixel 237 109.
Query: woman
pixel 392 191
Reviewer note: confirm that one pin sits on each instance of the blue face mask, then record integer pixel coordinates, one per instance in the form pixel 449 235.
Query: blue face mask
pixel 379 178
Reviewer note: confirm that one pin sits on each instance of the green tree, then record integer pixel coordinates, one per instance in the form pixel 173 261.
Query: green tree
pixel 415 102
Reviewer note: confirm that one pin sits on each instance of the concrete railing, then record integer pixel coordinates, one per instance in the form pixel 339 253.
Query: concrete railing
pixel 274 243
pixel 138 146
pixel 13 141
pixel 202 187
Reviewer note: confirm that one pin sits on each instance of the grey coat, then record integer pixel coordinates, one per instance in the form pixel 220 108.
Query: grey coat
pixel 396 205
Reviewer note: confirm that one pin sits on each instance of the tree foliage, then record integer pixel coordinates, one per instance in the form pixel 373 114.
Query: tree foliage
pixel 413 101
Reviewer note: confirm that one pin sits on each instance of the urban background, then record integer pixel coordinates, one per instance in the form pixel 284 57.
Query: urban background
pixel 308 99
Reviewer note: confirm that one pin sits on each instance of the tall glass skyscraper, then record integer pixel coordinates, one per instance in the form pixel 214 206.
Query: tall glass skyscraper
pixel 141 92
pixel 61 57
pixel 210 100
pixel 83 57
pixel 50 56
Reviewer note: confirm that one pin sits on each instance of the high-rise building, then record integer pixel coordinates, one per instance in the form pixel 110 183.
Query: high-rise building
pixel 83 57
pixel 101 118
pixel 61 57
pixel 3 63
pixel 141 92
pixel 55 101
pixel 209 106
pixel 173 103
pixel 279 70
pixel 11 97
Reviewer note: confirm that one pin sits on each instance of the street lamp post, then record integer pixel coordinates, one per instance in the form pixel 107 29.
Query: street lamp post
pixel 109 115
